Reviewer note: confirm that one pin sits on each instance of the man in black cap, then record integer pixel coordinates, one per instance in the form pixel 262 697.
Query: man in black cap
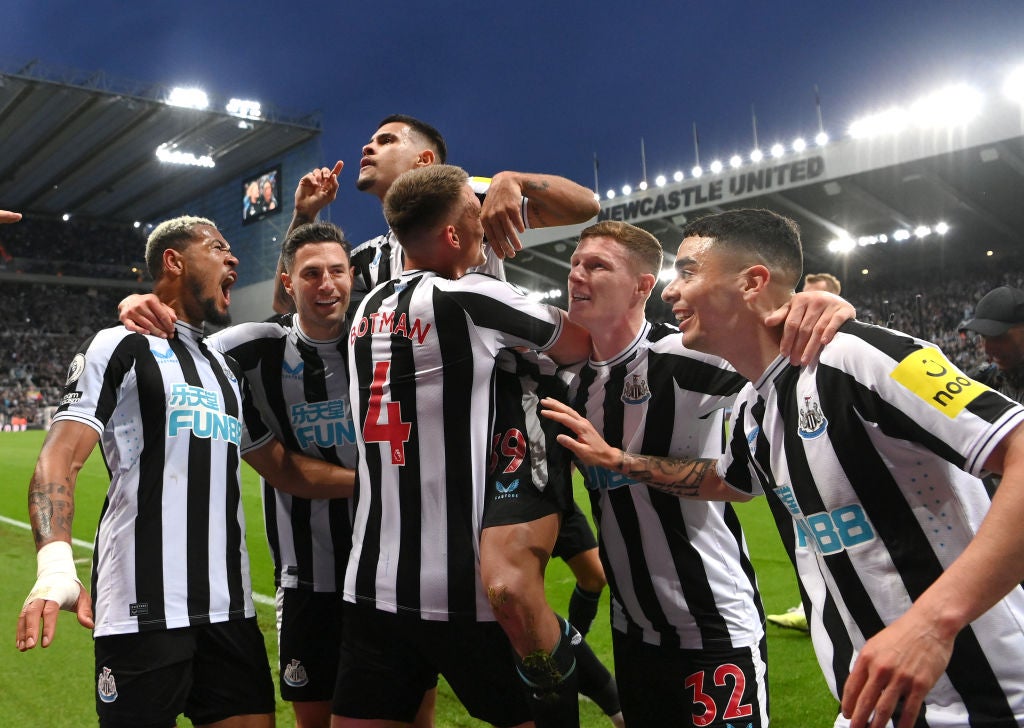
pixel 999 318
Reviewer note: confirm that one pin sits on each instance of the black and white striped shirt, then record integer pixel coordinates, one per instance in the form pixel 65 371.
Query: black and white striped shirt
pixel 678 569
pixel 170 546
pixel 422 357
pixel 869 458
pixel 299 388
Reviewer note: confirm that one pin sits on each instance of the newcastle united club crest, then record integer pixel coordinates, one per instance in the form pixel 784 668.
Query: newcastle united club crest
pixel 635 390
pixel 812 421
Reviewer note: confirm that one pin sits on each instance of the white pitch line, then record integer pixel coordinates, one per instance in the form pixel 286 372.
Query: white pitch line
pixel 259 598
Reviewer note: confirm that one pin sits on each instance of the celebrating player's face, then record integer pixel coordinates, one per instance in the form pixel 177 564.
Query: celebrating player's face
pixel 320 282
pixel 603 282
pixel 703 302
pixel 211 273
pixel 392 150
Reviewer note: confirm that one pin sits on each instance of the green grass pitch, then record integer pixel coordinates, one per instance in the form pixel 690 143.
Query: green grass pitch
pixel 54 687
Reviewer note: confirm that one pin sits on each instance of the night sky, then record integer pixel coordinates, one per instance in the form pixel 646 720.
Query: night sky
pixel 538 86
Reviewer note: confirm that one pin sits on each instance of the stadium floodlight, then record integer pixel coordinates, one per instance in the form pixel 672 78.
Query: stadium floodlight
pixel 167 154
pixel 716 167
pixel 941 228
pixel 867 240
pixel 597 197
pixel 890 121
pixel 66 216
pixel 841 245
pixel 900 235
pixel 188 98
pixel 697 171
pixel 821 138
pixel 799 145
pixel 864 271
pixel 735 161
pixel 627 190
pixel 950 106
pixel 660 180
pixel 611 194
pixel 678 176
pixel 246 108
pixel 1013 86
pixel 777 150
pixel 667 275
pixel 136 224
pixel 989 253
pixel 756 156
pixel 922 231
pixel 643 185
pixel 883 238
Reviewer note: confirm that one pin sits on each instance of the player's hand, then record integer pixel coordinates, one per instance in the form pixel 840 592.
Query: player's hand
pixel 8 217
pixel 44 602
pixel 316 191
pixel 144 313
pixel 898 665
pixel 502 215
pixel 812 319
pixel 587 445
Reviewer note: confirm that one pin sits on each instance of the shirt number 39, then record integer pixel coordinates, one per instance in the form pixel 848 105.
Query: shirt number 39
pixel 385 424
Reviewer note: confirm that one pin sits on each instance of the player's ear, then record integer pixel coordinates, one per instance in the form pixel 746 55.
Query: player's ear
pixel 645 284
pixel 451 236
pixel 426 158
pixel 286 281
pixel 173 261
pixel 755 278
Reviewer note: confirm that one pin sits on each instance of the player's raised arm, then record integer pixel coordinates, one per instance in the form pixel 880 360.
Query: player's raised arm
pixel 51 506
pixel 551 201
pixel 314 192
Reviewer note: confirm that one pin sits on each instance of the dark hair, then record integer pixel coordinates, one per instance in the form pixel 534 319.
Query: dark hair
pixel 644 248
pixel 423 129
pixel 762 234
pixel 313 232
pixel 177 233
pixel 419 200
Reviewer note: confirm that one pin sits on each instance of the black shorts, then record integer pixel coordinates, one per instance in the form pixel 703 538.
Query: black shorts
pixel 388 661
pixel 209 673
pixel 529 475
pixel 575 536
pixel 661 686
pixel 309 638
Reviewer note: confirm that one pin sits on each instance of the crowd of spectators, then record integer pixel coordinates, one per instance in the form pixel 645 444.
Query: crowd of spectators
pixel 74 247
pixel 41 327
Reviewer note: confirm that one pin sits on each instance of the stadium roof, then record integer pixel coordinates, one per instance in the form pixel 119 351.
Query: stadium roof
pixel 85 144
pixel 883 196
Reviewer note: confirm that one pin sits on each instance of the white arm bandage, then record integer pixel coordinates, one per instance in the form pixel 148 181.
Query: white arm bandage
pixel 56 578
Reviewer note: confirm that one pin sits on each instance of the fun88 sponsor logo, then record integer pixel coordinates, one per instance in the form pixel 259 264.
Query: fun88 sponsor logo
pixel 198 411
pixel 326 424
pixel 828 532
pixel 599 478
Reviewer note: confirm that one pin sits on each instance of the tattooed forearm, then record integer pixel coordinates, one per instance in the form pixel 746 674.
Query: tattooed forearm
pixel 51 508
pixel 681 477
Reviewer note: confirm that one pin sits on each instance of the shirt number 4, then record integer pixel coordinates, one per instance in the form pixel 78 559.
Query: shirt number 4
pixel 392 429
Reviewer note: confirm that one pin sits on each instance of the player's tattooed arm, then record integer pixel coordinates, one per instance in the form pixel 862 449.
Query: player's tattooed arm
pixel 51 508
pixel 681 477
pixel 51 492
